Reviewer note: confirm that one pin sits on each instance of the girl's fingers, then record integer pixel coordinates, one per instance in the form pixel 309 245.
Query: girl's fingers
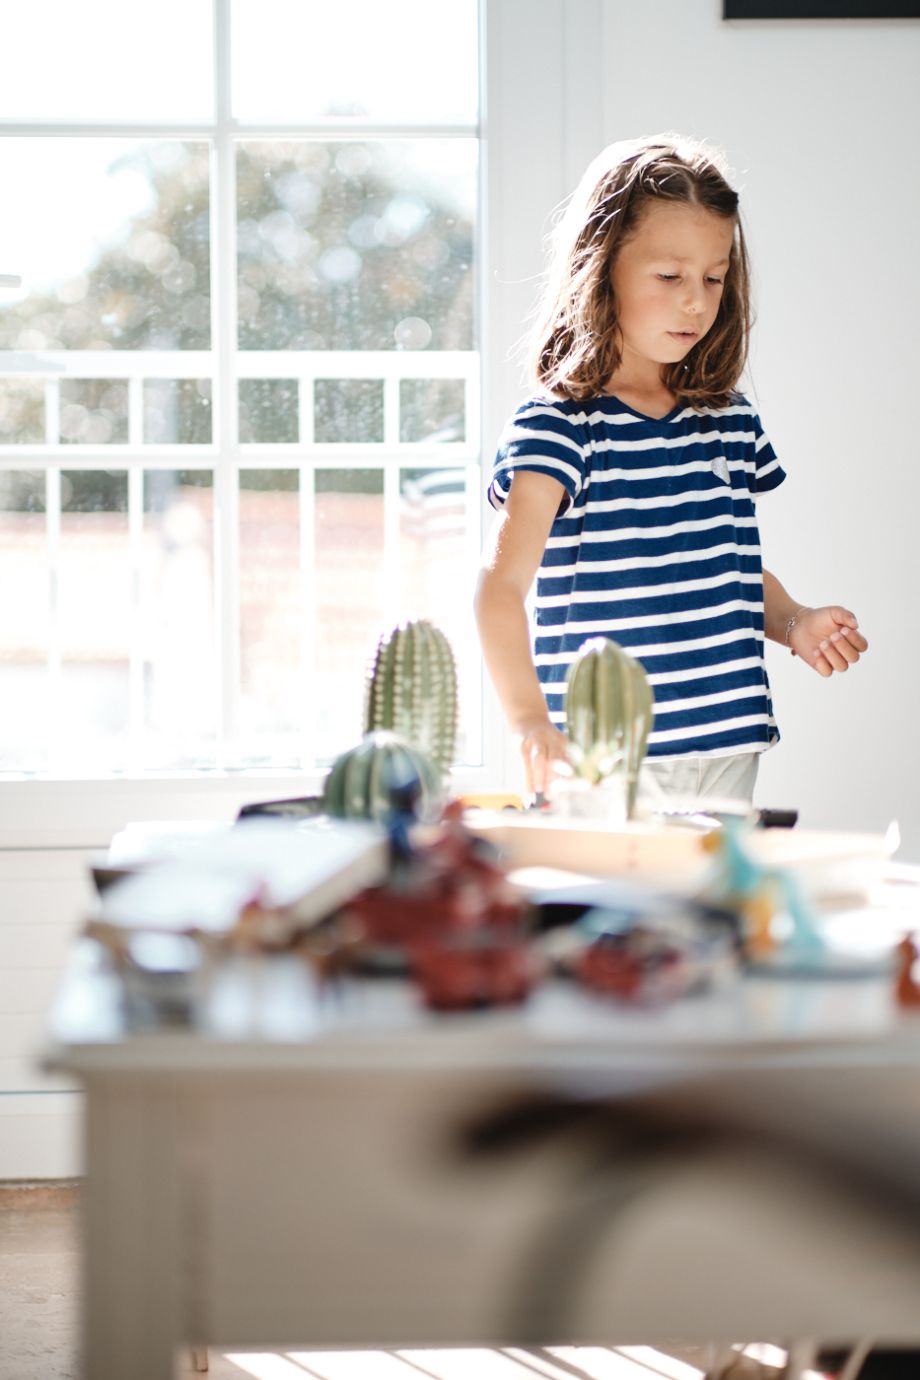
pixel 545 754
pixel 845 647
pixel 536 767
pixel 527 753
pixel 855 639
pixel 540 769
pixel 528 769
pixel 843 616
pixel 835 658
pixel 821 664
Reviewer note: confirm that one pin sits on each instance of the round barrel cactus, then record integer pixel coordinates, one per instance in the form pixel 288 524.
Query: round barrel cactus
pixel 383 775
pixel 608 712
pixel 411 689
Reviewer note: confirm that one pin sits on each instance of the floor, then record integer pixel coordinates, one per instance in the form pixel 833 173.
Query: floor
pixel 39 1322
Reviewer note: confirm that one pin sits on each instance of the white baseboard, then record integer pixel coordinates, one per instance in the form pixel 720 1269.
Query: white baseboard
pixel 41 1136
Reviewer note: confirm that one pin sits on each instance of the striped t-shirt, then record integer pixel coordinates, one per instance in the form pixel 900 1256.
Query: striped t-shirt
pixel 655 545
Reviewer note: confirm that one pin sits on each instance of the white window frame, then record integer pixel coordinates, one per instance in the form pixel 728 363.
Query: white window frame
pixel 541 115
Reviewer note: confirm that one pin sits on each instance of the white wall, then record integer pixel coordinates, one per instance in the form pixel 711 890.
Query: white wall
pixel 820 121
pixel 44 894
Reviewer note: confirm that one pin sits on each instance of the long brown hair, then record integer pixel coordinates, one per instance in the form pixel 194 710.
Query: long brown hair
pixel 572 346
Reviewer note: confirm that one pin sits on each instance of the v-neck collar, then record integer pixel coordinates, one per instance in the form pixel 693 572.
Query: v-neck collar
pixel 643 416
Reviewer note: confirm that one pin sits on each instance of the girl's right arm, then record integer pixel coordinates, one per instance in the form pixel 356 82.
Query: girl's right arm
pixel 512 557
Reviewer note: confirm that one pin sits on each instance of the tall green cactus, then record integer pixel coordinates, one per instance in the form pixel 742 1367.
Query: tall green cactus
pixel 411 688
pixel 608 712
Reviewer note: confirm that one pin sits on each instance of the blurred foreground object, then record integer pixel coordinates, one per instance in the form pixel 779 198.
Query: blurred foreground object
pixel 264 885
pixel 656 961
pixel 567 1171
pixel 907 990
pixel 449 908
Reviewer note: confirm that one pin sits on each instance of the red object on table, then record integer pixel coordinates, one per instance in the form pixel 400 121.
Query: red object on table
pixel 461 924
pixel 635 966
pixel 492 971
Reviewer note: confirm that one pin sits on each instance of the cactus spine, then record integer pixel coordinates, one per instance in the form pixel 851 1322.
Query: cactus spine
pixel 411 688
pixel 608 711
pixel 382 774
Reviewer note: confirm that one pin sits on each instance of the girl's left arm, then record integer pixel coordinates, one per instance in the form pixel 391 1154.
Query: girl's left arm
pixel 828 638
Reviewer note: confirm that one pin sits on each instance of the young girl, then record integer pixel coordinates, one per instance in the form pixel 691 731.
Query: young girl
pixel 627 482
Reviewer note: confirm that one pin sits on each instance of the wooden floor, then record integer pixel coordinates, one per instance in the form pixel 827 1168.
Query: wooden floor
pixel 39 1322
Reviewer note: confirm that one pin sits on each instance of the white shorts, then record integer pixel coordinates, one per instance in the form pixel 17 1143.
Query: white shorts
pixel 718 778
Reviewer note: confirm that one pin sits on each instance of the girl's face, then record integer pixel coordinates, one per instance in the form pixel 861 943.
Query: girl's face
pixel 668 278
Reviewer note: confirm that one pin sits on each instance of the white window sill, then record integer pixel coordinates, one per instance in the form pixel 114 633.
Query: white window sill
pixel 86 813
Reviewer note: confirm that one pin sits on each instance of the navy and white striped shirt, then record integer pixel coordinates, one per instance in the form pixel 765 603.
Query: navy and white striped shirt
pixel 655 545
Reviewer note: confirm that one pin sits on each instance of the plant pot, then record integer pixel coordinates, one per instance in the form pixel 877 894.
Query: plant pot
pixel 579 799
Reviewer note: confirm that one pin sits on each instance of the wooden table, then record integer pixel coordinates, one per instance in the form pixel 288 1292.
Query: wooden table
pixel 347 1169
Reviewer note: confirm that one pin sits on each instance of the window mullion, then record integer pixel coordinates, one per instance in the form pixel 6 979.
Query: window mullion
pixel 53 538
pixel 391 581
pixel 325 127
pixel 136 411
pixel 476 715
pixel 309 747
pixel 308 643
pixel 223 346
pixel 136 693
pixel 52 411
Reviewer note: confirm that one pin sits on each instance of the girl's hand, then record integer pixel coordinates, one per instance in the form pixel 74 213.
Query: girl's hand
pixel 828 639
pixel 545 751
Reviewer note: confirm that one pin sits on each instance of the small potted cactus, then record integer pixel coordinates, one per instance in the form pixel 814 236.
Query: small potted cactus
pixel 401 765
pixel 608 713
pixel 384 774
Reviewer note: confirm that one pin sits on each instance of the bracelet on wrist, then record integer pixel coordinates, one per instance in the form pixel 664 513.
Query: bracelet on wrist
pixel 791 624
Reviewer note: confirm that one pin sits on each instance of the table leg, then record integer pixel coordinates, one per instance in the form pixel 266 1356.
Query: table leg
pixel 133 1266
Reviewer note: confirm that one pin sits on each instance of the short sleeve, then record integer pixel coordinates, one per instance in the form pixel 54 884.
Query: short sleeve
pixel 541 437
pixel 768 473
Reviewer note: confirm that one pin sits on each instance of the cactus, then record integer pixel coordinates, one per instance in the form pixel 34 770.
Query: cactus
pixel 411 689
pixel 608 712
pixel 383 774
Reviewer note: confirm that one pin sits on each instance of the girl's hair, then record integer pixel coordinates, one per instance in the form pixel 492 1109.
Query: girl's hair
pixel 572 345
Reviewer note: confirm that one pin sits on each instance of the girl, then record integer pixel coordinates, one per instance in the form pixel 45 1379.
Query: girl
pixel 627 482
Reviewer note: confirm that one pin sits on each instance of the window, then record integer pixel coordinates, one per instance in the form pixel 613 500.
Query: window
pixel 239 383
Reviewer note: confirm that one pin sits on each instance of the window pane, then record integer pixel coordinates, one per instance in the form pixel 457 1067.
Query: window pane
pixel 132 271
pixel 22 411
pixel 94 619
pixel 180 674
pixel 407 59
pixel 349 585
pixel 177 412
pixel 348 410
pixel 269 410
pixel 24 624
pixel 356 246
pixel 83 62
pixel 432 410
pixel 436 565
pixel 94 412
pixel 271 614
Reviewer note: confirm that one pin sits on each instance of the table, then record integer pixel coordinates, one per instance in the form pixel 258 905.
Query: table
pixel 346 1169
